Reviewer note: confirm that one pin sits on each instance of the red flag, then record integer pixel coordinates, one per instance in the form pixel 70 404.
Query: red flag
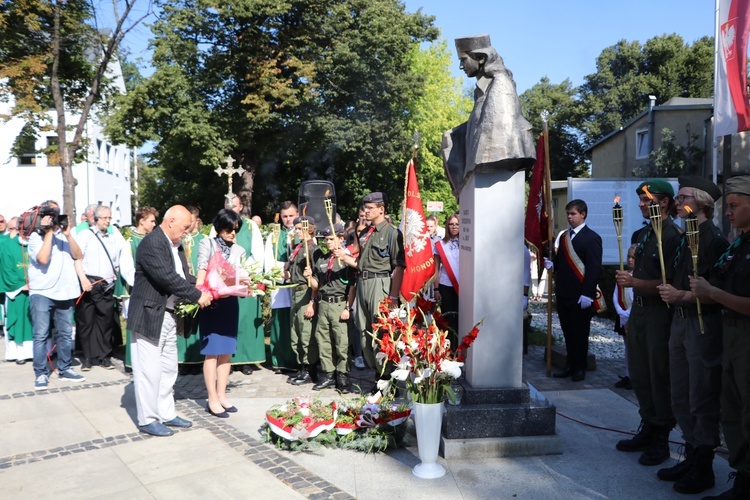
pixel 420 263
pixel 731 106
pixel 537 219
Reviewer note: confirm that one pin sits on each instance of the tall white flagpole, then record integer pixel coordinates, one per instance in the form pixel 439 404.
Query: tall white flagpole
pixel 717 41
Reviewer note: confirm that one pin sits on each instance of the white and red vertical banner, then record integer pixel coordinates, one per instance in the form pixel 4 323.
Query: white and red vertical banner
pixel 731 106
pixel 420 262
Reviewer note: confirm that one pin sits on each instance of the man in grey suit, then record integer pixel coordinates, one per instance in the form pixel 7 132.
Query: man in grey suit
pixel 161 279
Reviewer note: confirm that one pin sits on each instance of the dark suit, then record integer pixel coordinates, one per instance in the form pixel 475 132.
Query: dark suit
pixel 154 330
pixel 155 280
pixel 574 321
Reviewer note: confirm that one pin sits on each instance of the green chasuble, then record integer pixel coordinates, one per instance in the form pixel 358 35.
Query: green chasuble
pixel 13 257
pixel 133 242
pixel 251 342
pixel 189 343
pixel 282 355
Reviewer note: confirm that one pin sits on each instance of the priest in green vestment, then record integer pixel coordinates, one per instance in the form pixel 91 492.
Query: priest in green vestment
pixel 277 253
pixel 189 341
pixel 18 328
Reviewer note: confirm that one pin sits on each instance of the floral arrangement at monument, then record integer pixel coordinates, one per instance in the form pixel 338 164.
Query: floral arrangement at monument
pixel 415 340
pixel 306 424
pixel 301 418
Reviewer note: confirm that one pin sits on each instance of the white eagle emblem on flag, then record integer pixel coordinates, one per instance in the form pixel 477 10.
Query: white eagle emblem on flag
pixel 728 38
pixel 415 235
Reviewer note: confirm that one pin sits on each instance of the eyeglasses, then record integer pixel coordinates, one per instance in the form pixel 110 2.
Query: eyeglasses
pixel 453 224
pixel 12 228
pixel 681 197
pixel 105 218
pixel 2 221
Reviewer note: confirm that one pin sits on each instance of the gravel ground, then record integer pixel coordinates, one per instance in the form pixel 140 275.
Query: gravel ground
pixel 604 342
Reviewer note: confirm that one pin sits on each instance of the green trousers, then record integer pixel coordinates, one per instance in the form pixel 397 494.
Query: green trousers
pixel 303 337
pixel 332 335
pixel 370 293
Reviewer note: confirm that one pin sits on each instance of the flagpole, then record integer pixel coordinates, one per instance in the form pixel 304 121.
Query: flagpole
pixel 550 239
pixel 715 141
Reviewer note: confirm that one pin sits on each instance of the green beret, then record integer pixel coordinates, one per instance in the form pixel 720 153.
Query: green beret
pixel 739 184
pixel 656 186
pixel 376 197
pixel 310 220
pixel 693 181
pixel 338 228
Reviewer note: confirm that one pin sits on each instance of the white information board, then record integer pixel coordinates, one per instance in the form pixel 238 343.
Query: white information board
pixel 599 195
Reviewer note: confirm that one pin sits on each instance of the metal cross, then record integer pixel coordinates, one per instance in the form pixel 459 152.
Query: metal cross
pixel 229 171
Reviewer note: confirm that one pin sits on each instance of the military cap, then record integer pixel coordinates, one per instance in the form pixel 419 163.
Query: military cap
pixel 693 181
pixel 376 197
pixel 656 186
pixel 310 220
pixel 337 228
pixel 739 184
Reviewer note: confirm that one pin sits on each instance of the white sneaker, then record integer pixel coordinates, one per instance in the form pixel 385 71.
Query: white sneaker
pixel 41 383
pixel 359 362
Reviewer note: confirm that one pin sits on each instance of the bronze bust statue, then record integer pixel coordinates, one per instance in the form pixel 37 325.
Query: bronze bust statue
pixel 497 136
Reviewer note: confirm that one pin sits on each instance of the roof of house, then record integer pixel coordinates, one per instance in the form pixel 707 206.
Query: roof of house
pixel 681 103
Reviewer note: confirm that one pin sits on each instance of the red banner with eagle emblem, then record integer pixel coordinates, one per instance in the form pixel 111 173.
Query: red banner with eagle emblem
pixel 420 263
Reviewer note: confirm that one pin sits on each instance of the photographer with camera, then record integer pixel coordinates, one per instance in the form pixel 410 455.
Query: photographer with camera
pixel 53 288
pixel 96 315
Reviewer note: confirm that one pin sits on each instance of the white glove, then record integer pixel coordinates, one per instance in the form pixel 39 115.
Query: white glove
pixel 548 264
pixel 624 319
pixel 525 302
pixel 585 302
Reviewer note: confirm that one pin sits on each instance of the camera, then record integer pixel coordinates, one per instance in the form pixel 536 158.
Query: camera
pixel 58 219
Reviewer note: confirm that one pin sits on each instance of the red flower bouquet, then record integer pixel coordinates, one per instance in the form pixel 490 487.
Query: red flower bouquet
pixel 301 418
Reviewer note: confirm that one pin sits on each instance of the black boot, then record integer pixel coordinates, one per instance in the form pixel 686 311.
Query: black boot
pixel 658 450
pixel 306 377
pixel 639 442
pixel 342 383
pixel 325 381
pixel 678 470
pixel 298 374
pixel 700 477
pixel 740 490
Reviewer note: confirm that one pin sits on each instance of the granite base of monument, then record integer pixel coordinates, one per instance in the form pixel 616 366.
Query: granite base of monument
pixel 500 422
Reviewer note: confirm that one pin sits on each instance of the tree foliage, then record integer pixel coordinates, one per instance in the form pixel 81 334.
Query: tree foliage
pixel 292 89
pixel 566 148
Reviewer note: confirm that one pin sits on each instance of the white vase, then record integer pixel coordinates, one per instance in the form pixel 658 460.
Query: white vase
pixel 428 419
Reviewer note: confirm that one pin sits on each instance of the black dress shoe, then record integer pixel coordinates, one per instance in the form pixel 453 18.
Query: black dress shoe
pixel 578 375
pixel 222 414
pixel 564 373
pixel 230 409
pixel 304 379
pixel 246 370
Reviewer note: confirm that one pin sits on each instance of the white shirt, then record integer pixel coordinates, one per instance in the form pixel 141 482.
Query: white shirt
pixel 451 250
pixel 58 279
pixel 172 300
pixel 95 261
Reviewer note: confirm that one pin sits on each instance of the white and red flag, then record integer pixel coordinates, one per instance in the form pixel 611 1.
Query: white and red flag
pixel 731 106
pixel 420 263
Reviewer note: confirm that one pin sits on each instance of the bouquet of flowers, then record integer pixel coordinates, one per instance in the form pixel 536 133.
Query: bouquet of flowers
pixel 260 281
pixel 361 414
pixel 415 339
pixel 222 280
pixel 301 418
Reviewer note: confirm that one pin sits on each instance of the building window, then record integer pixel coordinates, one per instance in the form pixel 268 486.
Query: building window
pixel 641 144
pixel 24 146
pixel 52 151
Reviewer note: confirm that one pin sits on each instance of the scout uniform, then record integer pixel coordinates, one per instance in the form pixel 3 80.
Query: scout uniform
pixel 733 272
pixel 695 357
pixel 332 334
pixel 648 337
pixel 303 339
pixel 381 250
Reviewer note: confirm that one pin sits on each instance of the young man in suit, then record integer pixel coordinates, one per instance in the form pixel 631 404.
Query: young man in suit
pixel 577 266
pixel 161 279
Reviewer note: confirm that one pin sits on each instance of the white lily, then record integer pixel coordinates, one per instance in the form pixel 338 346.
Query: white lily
pixel 400 374
pixel 452 368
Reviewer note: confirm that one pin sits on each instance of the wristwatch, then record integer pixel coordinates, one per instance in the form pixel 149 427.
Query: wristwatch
pixel 349 308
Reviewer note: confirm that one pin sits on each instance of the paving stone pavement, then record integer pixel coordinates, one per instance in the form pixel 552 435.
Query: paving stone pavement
pixel 80 441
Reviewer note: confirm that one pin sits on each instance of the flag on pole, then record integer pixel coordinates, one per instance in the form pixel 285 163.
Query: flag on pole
pixel 731 106
pixel 420 263
pixel 537 218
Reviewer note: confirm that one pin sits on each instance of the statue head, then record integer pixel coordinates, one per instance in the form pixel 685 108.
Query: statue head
pixel 477 56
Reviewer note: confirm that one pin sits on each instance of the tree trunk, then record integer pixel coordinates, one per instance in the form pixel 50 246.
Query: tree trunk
pixel 246 191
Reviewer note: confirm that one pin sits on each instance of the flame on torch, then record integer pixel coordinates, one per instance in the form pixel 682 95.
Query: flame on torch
pixel 688 209
pixel 304 210
pixel 617 200
pixel 648 193
pixel 328 193
pixel 276 217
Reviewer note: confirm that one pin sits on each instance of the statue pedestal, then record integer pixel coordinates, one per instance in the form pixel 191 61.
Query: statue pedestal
pixel 500 415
